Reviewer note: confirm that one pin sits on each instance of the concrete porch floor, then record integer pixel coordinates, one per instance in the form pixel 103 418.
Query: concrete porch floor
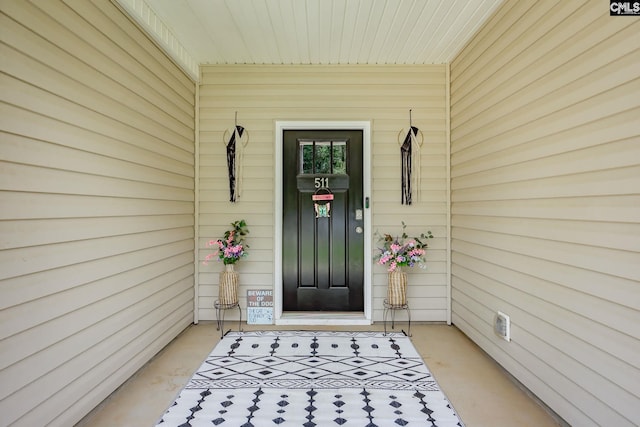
pixel 480 391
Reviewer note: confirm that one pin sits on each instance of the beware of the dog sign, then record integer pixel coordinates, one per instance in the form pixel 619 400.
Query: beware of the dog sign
pixel 260 307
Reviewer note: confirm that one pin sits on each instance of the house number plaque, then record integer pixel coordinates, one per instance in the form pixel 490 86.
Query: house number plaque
pixel 321 182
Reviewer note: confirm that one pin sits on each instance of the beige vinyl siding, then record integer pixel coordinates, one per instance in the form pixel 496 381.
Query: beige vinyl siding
pixel 96 206
pixel 545 166
pixel 381 94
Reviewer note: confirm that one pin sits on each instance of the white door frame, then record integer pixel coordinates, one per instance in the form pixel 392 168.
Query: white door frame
pixel 312 318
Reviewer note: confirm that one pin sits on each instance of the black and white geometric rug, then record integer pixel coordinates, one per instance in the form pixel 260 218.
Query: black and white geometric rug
pixel 312 378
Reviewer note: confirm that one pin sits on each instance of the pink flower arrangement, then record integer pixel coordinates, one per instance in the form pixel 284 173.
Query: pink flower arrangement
pixel 402 252
pixel 232 247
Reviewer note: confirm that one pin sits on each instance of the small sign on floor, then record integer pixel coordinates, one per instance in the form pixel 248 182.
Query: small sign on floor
pixel 259 307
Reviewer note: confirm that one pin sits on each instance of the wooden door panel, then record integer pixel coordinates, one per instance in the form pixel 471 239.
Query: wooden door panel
pixel 323 262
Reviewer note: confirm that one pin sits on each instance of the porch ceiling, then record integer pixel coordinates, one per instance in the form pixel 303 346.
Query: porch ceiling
pixel 310 31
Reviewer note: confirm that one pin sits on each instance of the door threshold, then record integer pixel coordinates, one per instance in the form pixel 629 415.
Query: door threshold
pixel 322 318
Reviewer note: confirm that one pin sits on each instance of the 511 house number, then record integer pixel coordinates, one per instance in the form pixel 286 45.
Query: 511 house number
pixel 321 182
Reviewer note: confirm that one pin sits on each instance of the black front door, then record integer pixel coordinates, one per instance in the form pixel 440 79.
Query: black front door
pixel 323 236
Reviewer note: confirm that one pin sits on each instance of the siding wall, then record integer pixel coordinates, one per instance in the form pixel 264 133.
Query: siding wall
pixel 545 130
pixel 382 94
pixel 96 206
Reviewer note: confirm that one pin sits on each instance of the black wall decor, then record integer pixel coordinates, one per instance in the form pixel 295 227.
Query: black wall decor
pixel 235 147
pixel 410 159
pixel 231 160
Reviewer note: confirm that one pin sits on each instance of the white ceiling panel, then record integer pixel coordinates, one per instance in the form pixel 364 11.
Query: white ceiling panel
pixel 313 31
